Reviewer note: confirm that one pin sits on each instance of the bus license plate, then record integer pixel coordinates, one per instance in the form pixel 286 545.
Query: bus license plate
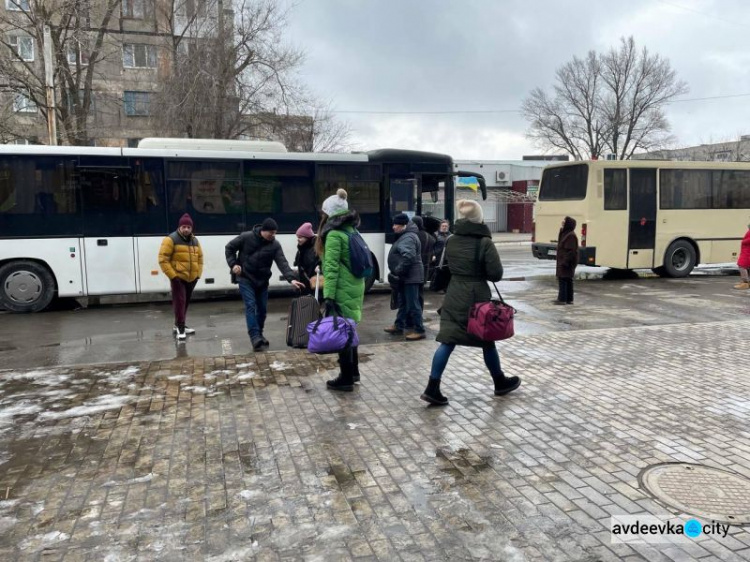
pixel 552 252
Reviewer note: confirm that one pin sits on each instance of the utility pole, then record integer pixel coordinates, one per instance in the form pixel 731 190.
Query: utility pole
pixel 49 73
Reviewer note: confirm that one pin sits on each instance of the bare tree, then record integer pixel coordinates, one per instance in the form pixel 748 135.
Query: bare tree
pixel 228 64
pixel 608 102
pixel 312 127
pixel 79 44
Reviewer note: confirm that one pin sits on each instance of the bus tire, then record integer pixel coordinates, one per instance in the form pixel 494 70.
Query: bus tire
pixel 26 286
pixel 680 259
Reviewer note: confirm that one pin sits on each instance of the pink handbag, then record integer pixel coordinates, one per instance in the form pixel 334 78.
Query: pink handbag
pixel 491 321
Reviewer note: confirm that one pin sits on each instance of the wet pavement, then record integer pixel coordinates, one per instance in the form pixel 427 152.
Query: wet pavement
pixel 118 444
pixel 250 458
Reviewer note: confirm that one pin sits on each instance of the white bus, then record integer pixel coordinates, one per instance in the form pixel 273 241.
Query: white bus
pixel 79 221
pixel 636 214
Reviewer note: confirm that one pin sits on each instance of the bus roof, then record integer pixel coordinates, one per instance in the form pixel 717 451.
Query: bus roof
pixel 667 164
pixel 390 155
pixel 211 144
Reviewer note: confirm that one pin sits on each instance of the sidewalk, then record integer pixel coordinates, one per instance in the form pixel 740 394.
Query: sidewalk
pixel 250 457
pixel 511 238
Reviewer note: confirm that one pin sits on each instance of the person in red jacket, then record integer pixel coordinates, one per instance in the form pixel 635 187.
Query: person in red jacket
pixel 743 262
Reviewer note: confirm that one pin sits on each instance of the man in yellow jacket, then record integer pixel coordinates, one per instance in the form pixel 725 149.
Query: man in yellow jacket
pixel 181 259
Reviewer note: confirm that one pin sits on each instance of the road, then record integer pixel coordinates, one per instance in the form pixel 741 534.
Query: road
pixel 116 333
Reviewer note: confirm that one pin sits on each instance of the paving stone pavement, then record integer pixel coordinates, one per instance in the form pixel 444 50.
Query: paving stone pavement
pixel 251 458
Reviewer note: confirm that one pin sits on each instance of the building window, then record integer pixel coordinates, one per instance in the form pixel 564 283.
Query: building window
pixel 134 9
pixel 17 5
pixel 138 56
pixel 137 104
pixel 22 103
pixel 72 104
pixel 23 47
pixel 82 56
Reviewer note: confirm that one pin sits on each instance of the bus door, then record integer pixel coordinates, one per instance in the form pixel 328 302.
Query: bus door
pixel 642 214
pixel 106 190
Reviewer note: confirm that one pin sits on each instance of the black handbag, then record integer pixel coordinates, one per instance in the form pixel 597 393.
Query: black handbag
pixel 441 275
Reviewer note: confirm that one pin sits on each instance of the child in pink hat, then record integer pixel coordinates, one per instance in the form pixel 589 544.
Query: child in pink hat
pixel 306 260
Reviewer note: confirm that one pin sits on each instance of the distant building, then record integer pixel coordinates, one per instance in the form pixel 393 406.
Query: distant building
pixel 549 157
pixel 732 151
pixel 511 191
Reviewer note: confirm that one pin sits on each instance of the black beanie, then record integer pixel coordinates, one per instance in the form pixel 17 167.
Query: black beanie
pixel 269 224
pixel 401 218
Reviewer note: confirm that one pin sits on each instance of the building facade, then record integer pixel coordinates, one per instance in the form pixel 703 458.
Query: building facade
pixel 731 151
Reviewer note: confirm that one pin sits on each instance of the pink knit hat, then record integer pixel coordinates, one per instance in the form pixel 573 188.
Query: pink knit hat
pixel 306 230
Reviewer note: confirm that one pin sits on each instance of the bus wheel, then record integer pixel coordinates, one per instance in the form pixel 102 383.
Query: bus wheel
pixel 26 286
pixel 680 259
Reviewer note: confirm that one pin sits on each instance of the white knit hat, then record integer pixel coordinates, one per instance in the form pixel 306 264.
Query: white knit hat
pixel 470 210
pixel 335 203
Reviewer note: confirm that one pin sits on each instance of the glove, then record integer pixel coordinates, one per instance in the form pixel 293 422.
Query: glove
pixel 330 305
pixel 393 280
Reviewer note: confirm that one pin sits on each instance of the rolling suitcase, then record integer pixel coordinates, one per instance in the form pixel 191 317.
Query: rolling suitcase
pixel 302 311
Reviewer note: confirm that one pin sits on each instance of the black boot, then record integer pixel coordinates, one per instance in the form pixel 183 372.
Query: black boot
pixel 432 393
pixel 504 385
pixel 343 382
pixel 355 364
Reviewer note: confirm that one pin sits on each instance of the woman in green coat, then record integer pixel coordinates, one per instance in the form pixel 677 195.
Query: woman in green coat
pixel 341 287
pixel 473 260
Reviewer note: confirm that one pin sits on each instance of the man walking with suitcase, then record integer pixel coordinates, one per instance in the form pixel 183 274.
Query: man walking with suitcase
pixel 250 256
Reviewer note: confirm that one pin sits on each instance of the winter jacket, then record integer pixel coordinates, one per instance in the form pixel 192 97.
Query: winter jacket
pixel 427 242
pixel 405 257
pixel 306 261
pixel 256 258
pixel 744 259
pixel 181 258
pixel 340 284
pixel 567 250
pixel 440 239
pixel 473 260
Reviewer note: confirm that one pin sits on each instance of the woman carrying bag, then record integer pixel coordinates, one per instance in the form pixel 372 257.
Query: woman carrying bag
pixel 343 292
pixel 473 261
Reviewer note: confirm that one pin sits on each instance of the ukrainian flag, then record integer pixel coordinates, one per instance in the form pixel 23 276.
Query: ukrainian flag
pixel 470 183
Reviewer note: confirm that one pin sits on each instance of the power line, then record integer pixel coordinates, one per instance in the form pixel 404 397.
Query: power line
pixel 489 111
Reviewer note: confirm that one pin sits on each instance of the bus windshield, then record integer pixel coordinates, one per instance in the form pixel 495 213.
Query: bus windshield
pixel 566 183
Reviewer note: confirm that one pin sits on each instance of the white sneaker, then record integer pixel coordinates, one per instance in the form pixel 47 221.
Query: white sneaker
pixel 188 331
pixel 179 334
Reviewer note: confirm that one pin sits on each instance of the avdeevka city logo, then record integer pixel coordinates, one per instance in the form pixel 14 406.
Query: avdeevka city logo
pixel 653 529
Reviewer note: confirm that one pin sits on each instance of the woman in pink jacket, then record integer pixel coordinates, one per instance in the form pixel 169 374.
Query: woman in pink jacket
pixel 744 261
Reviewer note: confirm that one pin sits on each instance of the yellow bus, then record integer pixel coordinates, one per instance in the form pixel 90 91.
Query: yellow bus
pixel 646 214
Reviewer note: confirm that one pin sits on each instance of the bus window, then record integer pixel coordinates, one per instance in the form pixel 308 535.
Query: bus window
pixel 615 190
pixel 282 190
pixel 150 204
pixel 362 184
pixel 566 183
pixel 685 189
pixel 210 191
pixel 38 197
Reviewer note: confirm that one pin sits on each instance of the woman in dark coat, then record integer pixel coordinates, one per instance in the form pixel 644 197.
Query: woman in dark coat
pixel 567 260
pixel 306 260
pixel 473 260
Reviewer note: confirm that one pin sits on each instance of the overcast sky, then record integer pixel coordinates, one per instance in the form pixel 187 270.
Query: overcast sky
pixel 414 56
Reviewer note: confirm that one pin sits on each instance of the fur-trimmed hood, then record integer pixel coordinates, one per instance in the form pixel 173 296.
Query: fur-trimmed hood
pixel 336 222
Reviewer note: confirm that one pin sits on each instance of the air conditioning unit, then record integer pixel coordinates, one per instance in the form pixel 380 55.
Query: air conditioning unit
pixel 502 177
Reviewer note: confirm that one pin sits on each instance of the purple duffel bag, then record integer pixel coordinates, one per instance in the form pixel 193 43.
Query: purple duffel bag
pixel 332 334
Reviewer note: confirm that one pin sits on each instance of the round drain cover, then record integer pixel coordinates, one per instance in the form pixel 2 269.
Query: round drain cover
pixel 703 491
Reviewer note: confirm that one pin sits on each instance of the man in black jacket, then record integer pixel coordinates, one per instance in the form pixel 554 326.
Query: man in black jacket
pixel 406 273
pixel 258 250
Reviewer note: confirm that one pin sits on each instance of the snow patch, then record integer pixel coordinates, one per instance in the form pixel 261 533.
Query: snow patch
pixel 39 542
pixel 246 376
pixel 244 365
pixel 140 480
pixel 279 366
pixel 196 389
pixel 250 494
pixel 20 408
pixel 178 377
pixel 95 406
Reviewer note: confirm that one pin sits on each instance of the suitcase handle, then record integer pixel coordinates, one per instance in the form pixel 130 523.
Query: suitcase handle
pixel 317 282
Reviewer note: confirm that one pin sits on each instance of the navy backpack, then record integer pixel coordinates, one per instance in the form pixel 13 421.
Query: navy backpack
pixel 359 256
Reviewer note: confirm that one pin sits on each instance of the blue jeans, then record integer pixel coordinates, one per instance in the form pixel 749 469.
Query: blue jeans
pixel 443 353
pixel 256 308
pixel 409 309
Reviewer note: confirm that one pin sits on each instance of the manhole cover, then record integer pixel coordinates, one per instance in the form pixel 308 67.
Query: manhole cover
pixel 699 490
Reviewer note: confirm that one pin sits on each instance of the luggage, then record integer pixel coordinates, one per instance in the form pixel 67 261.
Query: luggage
pixel 491 321
pixel 302 312
pixel 332 334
